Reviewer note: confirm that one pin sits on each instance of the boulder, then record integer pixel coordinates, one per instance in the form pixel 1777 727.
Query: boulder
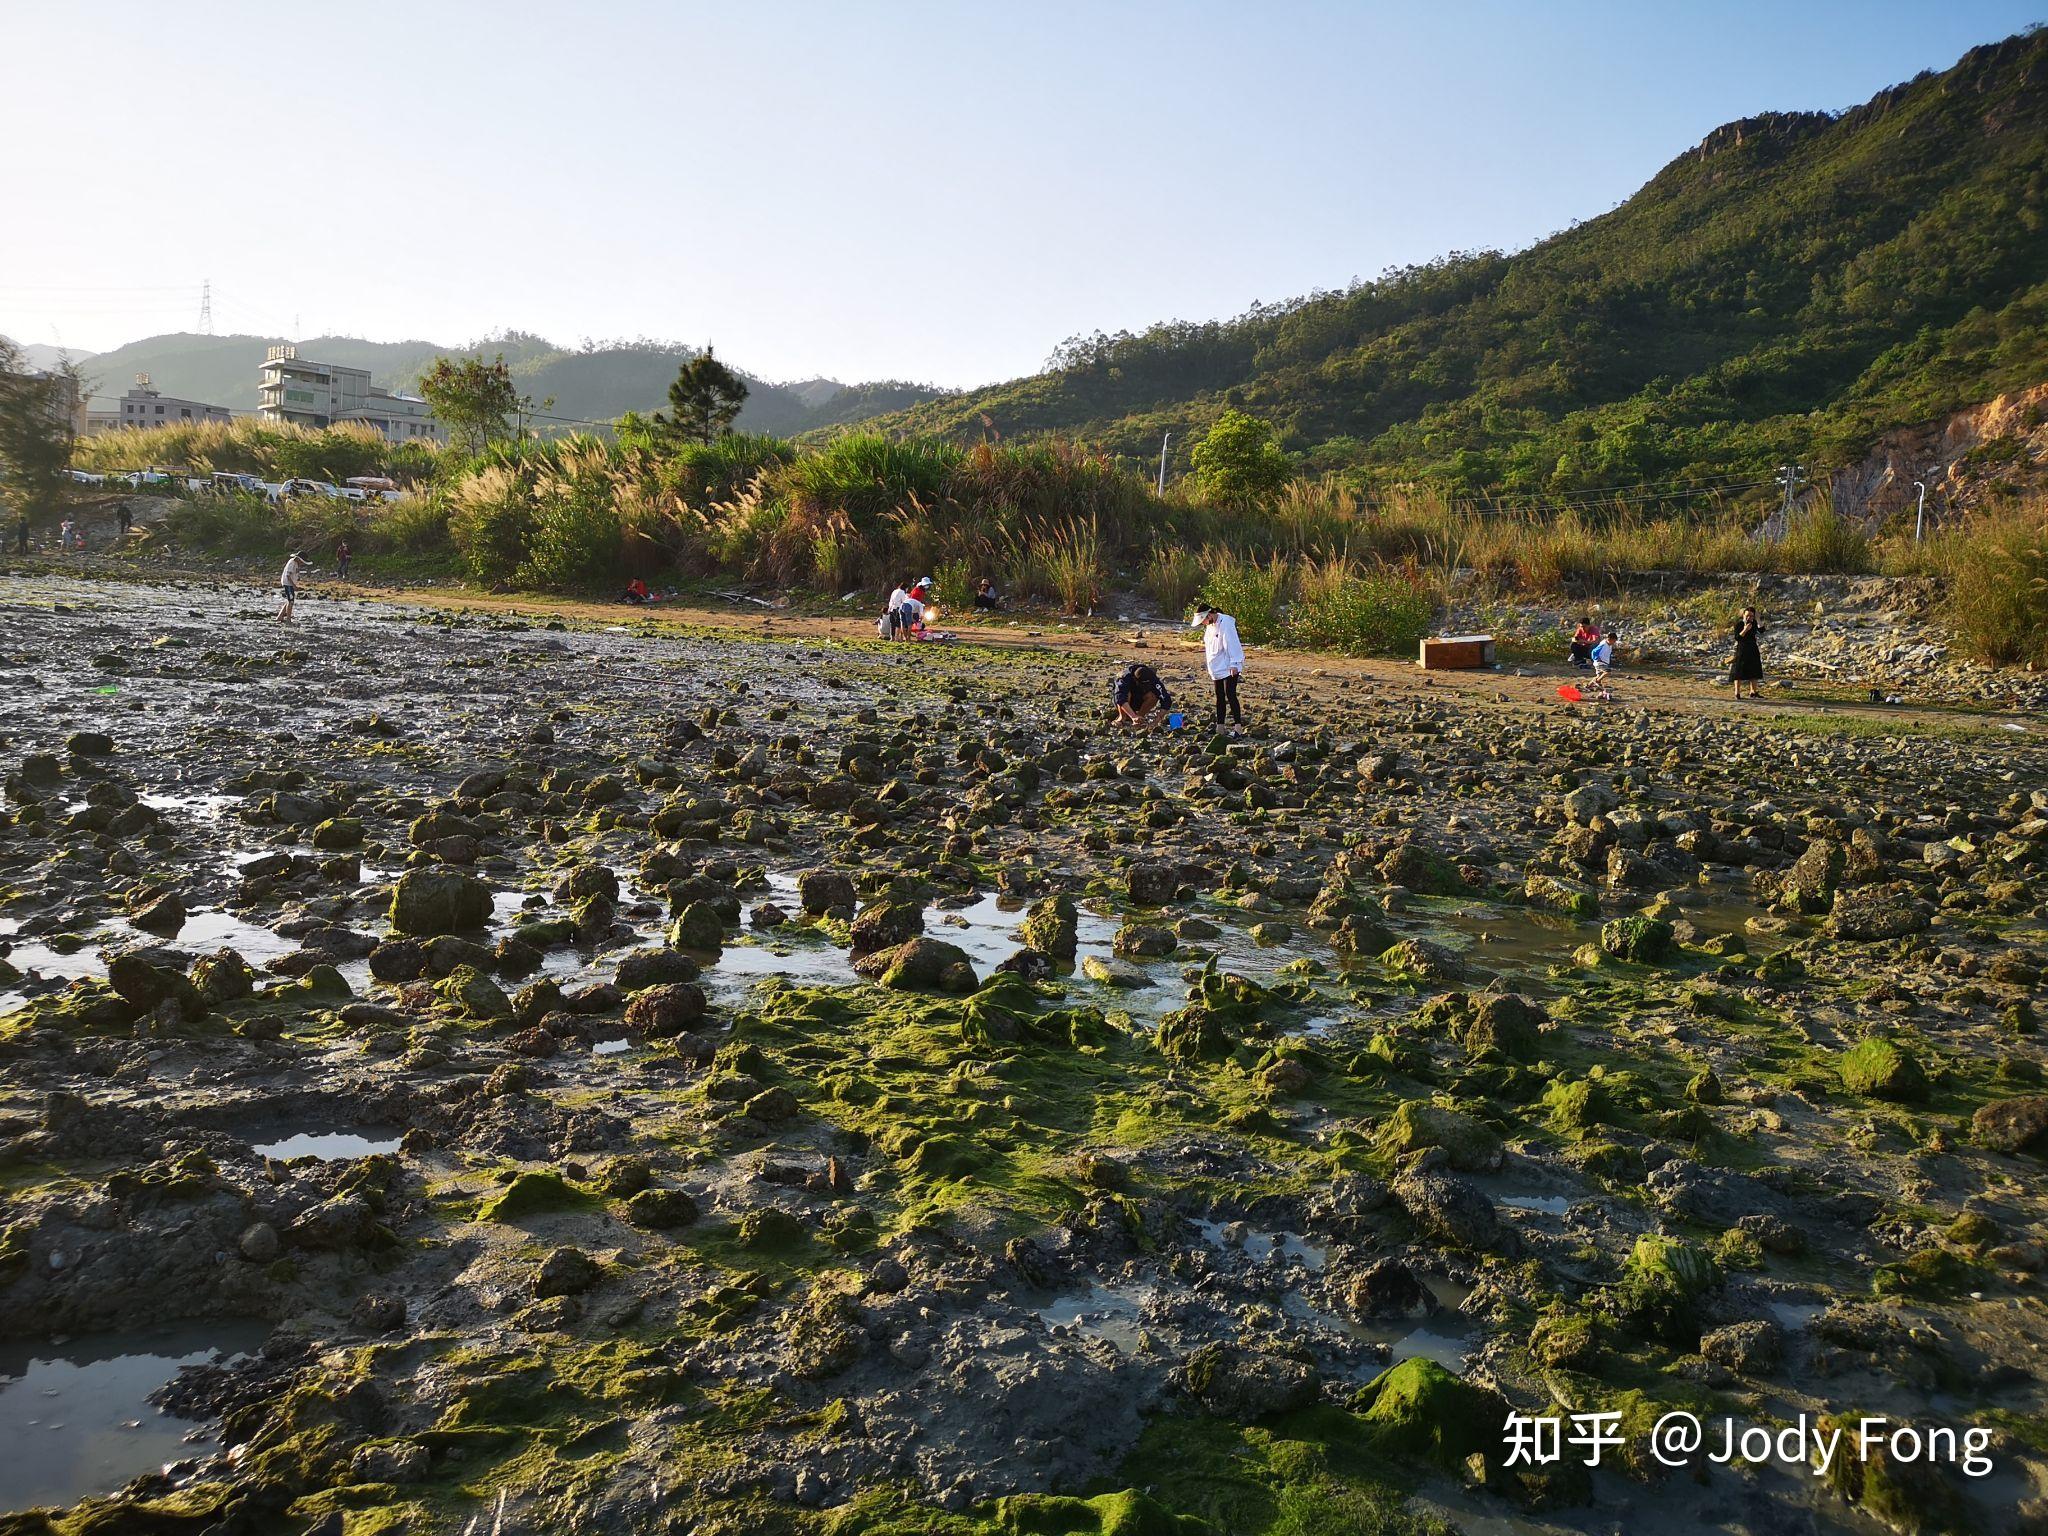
pixel 1245 1384
pixel 1421 1412
pixel 1417 1125
pixel 433 901
pixel 1875 912
pixel 885 925
pixel 1151 884
pixel 565 1272
pixel 1640 940
pixel 1052 926
pixel 2013 1125
pixel 1449 1210
pixel 698 927
pixel 661 1210
pixel 1145 941
pixel 825 890
pixel 645 968
pixel 922 964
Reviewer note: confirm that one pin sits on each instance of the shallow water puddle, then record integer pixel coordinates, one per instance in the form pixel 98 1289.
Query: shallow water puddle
pixel 1795 1316
pixel 206 807
pixel 328 1146
pixel 1105 1312
pixel 77 1419
pixel 1445 1335
pixel 1547 1205
pixel 1261 1246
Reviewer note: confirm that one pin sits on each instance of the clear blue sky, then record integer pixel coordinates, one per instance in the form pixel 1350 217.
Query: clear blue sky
pixel 932 191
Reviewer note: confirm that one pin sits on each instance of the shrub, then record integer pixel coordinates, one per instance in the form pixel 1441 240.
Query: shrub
pixel 573 539
pixel 1373 613
pixel 867 476
pixel 1248 592
pixel 1998 600
pixel 490 520
pixel 1074 564
pixel 1821 540
pixel 1172 577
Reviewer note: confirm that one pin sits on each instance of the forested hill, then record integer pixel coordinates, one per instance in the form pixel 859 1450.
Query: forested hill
pixel 1788 288
pixel 596 382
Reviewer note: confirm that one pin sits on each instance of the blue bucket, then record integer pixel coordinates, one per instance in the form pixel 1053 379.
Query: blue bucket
pixel 1176 720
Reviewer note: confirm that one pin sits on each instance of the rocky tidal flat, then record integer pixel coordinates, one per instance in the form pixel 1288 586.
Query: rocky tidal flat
pixel 461 1073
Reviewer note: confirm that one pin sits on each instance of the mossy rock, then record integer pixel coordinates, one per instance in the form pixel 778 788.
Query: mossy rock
pixel 1504 1024
pixel 921 964
pixel 1420 960
pixel 1052 927
pixel 1417 1124
pixel 1555 895
pixel 1000 1012
pixel 1638 940
pixel 1883 1069
pixel 471 994
pixel 698 927
pixel 1127 1513
pixel 1195 1033
pixel 1419 1410
pixel 769 1227
pixel 1576 1105
pixel 433 900
pixel 1662 1286
pixel 533 1193
pixel 1915 1497
pixel 1565 1342
pixel 1932 1274
pixel 1423 870
pixel 338 833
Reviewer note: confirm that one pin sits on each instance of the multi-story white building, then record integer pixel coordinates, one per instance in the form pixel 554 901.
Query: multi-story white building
pixel 313 394
pixel 144 406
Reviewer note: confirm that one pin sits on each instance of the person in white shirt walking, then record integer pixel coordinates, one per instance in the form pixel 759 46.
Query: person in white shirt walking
pixel 288 585
pixel 1225 655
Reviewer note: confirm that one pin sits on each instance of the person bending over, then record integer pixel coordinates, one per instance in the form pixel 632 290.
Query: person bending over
pixel 1141 697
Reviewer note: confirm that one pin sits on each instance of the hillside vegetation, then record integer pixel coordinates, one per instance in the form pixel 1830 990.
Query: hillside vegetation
pixel 1790 288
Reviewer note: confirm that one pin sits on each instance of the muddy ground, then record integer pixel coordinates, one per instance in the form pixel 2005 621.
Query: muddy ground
pixel 471 1072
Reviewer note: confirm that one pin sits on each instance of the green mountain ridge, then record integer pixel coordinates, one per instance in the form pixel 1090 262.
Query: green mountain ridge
pixel 595 383
pixel 1791 287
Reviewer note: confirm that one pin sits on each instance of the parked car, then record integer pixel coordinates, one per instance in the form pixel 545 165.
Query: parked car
pixel 229 482
pixel 305 487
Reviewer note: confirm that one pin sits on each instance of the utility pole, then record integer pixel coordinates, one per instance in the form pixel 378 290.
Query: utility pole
pixel 1789 477
pixel 1920 513
pixel 206 307
pixel 1162 462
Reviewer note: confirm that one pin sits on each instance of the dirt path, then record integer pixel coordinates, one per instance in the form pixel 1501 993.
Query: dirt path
pixel 1525 684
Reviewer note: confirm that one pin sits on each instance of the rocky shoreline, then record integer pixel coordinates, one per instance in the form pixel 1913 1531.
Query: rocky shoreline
pixel 786 1085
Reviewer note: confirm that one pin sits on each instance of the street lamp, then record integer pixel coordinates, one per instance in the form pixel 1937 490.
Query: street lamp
pixel 1162 462
pixel 1920 515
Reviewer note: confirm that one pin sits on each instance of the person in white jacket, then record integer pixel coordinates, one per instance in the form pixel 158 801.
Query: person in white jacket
pixel 1224 653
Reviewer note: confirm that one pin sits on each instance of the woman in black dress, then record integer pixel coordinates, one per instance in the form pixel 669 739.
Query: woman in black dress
pixel 1748 666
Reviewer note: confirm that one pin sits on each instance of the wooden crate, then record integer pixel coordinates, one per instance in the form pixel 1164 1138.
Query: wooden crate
pixel 1457 653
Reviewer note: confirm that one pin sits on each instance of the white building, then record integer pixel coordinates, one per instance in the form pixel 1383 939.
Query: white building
pixel 144 406
pixel 313 394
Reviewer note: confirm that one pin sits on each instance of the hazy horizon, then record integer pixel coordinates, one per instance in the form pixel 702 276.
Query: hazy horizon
pixel 908 191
